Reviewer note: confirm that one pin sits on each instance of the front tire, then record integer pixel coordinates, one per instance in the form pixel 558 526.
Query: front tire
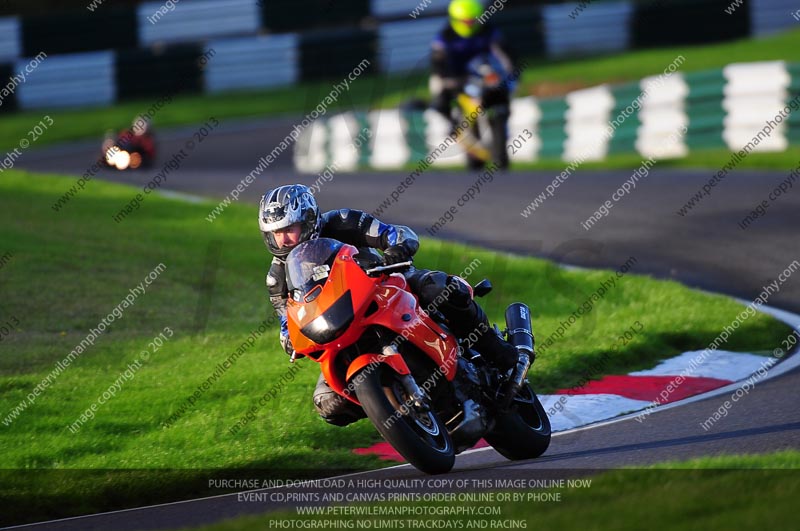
pixel 523 432
pixel 420 437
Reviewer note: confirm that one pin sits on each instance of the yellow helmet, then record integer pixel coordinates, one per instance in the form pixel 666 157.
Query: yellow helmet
pixel 464 16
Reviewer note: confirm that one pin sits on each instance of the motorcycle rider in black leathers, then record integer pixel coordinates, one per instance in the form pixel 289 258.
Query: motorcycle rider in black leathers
pixel 289 215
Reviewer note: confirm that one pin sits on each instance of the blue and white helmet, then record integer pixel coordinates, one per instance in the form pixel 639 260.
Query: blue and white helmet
pixel 285 206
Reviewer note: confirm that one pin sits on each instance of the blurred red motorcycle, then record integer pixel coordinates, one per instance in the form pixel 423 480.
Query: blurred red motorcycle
pixel 132 148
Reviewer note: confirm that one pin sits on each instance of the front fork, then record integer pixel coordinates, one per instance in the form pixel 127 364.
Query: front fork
pixel 417 397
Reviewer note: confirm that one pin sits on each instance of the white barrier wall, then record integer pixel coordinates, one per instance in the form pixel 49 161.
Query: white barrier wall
pixel 197 20
pixel 587 120
pixel 253 62
pixel 390 148
pixel 406 45
pixel 525 114
pixel 663 117
pixel 754 94
pixel 772 16
pixel 600 28
pixel 60 81
pixel 10 45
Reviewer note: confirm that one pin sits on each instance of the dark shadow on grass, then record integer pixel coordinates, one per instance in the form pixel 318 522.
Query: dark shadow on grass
pixel 35 495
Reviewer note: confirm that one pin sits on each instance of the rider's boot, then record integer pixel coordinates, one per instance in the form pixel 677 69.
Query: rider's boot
pixel 470 323
pixel 512 362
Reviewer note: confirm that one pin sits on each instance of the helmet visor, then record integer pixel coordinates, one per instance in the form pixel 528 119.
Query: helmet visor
pixel 466 27
pixel 466 21
pixel 275 217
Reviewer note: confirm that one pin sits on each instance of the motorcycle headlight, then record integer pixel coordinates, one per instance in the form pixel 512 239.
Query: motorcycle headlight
pixel 122 160
pixel 332 323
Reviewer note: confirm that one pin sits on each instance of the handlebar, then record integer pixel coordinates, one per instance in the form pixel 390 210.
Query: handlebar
pixel 381 269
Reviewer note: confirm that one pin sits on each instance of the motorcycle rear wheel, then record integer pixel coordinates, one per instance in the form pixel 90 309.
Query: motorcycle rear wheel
pixel 420 437
pixel 523 432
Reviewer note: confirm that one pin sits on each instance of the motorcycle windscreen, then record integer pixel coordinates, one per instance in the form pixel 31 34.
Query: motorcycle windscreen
pixel 308 266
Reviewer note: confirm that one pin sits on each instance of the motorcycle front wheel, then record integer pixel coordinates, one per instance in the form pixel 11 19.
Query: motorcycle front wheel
pixel 419 436
pixel 522 432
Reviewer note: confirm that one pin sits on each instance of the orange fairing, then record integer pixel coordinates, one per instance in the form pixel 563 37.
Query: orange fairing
pixel 301 313
pixel 395 361
pixel 333 313
pixel 400 313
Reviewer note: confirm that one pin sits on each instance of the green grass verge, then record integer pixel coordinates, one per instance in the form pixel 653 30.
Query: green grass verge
pixel 717 493
pixel 68 270
pixel 710 159
pixel 542 77
pixel 634 65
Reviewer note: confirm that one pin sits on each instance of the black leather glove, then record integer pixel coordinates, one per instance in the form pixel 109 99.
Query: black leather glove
pixel 396 254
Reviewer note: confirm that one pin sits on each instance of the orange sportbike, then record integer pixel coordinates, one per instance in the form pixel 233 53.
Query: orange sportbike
pixel 427 395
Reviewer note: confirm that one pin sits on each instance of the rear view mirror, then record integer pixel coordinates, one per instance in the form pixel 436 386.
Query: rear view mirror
pixel 482 288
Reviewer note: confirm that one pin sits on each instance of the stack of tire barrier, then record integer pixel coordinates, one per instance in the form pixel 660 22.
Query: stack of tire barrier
pixel 662 116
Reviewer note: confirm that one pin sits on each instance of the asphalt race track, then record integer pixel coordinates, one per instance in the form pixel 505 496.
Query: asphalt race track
pixel 706 249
